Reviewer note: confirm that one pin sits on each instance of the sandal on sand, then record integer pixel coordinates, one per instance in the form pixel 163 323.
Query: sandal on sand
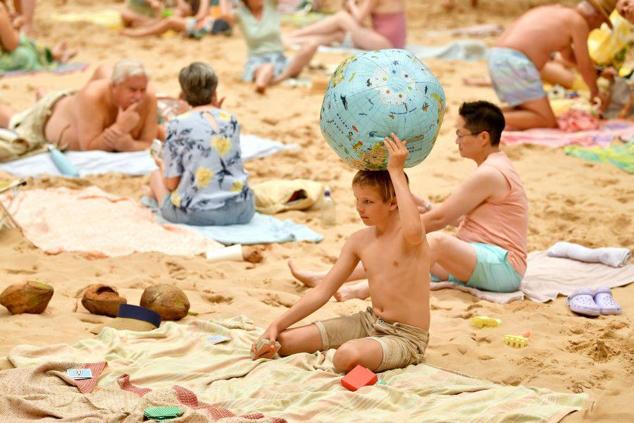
pixel 606 303
pixel 582 302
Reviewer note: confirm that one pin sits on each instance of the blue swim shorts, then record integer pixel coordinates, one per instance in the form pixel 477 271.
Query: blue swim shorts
pixel 278 60
pixel 493 271
pixel 515 78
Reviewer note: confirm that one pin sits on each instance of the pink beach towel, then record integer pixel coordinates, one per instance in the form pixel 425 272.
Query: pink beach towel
pixel 608 131
pixel 99 224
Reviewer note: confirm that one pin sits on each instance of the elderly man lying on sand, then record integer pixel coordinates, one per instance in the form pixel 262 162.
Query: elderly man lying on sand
pixel 489 208
pixel 114 111
pixel 516 59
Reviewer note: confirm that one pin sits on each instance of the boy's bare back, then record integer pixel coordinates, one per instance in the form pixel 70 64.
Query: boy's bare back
pixel 398 275
pixel 544 30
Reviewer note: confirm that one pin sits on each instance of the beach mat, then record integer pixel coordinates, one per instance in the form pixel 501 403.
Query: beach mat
pixel 133 163
pixel 301 387
pixel 60 69
pixel 46 392
pixel 619 155
pixel 106 18
pixel 608 132
pixel 99 224
pixel 547 277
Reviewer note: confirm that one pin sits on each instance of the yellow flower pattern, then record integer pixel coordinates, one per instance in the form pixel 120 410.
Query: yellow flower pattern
pixel 206 158
pixel 222 145
pixel 203 177
pixel 176 199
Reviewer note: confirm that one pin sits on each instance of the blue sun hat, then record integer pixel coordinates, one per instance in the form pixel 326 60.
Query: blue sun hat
pixel 374 94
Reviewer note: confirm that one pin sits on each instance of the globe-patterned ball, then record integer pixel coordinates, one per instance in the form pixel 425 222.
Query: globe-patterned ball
pixel 374 94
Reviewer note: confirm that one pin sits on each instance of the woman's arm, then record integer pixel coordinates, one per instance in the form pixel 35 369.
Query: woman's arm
pixel 362 11
pixel 9 37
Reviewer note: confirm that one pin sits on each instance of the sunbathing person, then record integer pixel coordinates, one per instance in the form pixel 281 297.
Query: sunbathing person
pixel 195 25
pixel 516 60
pixel 346 27
pixel 259 23
pixel 393 333
pixel 201 178
pixel 114 111
pixel 490 209
pixel 18 52
pixel 142 12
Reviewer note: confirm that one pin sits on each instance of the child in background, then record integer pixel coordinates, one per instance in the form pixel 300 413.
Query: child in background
pixel 259 23
pixel 392 333
pixel 196 26
pixel 201 180
pixel 618 100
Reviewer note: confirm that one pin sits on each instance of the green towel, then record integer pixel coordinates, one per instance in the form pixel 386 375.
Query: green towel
pixel 620 155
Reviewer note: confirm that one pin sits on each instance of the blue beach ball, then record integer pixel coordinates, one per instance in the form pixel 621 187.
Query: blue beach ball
pixel 374 94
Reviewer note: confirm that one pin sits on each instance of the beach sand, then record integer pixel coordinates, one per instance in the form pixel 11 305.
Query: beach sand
pixel 570 199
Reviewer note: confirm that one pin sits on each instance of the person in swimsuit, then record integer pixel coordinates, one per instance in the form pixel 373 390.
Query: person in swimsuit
pixel 346 27
pixel 490 209
pixel 114 111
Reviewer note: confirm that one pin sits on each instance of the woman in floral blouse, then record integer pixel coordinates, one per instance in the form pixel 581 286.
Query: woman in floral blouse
pixel 201 178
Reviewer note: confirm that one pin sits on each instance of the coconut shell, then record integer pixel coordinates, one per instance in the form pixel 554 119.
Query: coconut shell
pixel 169 302
pixel 103 300
pixel 30 297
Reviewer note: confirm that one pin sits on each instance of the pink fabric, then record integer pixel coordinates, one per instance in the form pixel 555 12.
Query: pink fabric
pixel 392 26
pixel 503 222
pixel 99 224
pixel 88 385
pixel 608 131
pixel 126 385
pixel 577 120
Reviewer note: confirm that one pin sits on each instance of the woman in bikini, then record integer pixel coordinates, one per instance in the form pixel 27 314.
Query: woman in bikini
pixel 346 27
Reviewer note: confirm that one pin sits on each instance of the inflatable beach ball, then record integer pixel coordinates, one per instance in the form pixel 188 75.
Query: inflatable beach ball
pixel 374 94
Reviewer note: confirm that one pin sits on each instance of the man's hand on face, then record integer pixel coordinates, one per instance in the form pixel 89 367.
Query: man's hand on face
pixel 128 119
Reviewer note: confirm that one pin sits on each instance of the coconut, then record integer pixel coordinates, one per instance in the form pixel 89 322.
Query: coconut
pixel 169 302
pixel 30 297
pixel 102 299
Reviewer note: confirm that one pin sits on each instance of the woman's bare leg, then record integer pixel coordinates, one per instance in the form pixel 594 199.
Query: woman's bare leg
pixel 341 21
pixel 264 77
pixel 157 28
pixel 298 62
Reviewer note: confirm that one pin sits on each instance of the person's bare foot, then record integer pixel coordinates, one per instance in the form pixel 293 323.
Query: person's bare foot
pixel 310 279
pixel 62 54
pixel 349 291
pixel 260 89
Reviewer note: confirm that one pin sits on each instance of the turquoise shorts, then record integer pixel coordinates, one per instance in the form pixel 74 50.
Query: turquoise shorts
pixel 493 271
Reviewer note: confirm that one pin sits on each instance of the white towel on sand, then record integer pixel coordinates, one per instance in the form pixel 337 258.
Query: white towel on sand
pixel 610 256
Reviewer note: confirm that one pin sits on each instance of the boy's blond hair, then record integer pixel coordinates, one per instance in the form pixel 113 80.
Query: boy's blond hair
pixel 379 179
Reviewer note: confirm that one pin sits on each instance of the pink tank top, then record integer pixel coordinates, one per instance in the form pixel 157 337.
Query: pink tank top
pixel 502 222
pixel 392 27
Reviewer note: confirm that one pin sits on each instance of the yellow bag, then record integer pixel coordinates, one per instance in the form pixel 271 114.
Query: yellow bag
pixel 606 46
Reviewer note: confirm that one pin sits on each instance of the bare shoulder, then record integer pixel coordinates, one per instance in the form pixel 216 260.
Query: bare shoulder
pixel 361 237
pixel 94 91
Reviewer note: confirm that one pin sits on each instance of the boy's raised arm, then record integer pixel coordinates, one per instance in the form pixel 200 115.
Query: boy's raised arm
pixel 413 229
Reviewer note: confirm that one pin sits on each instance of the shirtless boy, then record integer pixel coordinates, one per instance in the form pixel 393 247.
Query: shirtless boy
pixel 114 111
pixel 392 333
pixel 516 60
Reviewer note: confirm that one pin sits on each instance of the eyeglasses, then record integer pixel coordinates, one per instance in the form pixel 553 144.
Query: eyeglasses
pixel 459 135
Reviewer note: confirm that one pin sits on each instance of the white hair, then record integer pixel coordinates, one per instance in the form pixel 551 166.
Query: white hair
pixel 125 69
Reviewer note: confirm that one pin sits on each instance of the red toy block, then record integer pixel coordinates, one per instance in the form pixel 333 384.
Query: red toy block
pixel 358 378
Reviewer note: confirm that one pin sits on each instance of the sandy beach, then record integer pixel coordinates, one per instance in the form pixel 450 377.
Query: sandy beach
pixel 570 200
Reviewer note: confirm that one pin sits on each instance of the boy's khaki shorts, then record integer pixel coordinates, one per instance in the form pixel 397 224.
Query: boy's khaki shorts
pixel 402 344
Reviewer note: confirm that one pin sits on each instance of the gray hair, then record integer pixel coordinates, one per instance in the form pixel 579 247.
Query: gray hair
pixel 198 83
pixel 125 69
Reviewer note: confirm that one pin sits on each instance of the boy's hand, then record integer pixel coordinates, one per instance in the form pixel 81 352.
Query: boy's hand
pixel 397 152
pixel 266 346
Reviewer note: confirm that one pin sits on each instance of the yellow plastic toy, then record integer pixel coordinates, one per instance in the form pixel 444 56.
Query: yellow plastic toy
pixel 485 321
pixel 604 45
pixel 515 341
